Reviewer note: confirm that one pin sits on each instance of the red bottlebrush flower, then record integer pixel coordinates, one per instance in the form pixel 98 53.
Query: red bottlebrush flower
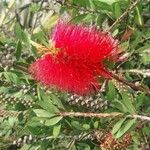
pixel 67 76
pixel 78 62
pixel 84 43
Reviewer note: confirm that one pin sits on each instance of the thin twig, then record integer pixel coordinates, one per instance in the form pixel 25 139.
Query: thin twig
pixel 36 18
pixel 21 68
pixel 19 11
pixel 145 39
pixel 83 9
pixel 67 4
pixel 143 72
pixel 123 15
pixel 102 115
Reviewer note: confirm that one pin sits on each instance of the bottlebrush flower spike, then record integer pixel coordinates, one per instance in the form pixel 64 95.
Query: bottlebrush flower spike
pixel 78 63
pixel 85 43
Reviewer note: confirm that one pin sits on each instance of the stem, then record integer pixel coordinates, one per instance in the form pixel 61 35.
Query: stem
pixel 143 72
pixel 19 11
pixel 36 18
pixel 22 68
pixel 68 4
pixel 143 118
pixel 123 15
pixel 132 85
pixel 102 115
pixel 96 115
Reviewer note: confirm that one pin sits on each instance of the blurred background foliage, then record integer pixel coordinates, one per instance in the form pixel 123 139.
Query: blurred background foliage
pixel 28 111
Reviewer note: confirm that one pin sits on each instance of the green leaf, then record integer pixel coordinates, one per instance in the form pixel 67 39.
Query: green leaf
pixel 48 23
pixel 47 104
pixel 18 50
pixel 34 7
pixel 146 130
pixel 143 49
pixel 12 77
pixel 44 145
pixel 56 130
pixel 39 93
pixel 119 105
pixel 91 4
pixel 116 10
pixel 18 31
pixel 83 17
pixel 102 5
pixel 138 16
pixel 52 121
pixel 96 124
pixel 26 38
pixel 77 125
pixel 137 38
pixel 86 126
pixel 43 113
pixel 127 101
pixel 112 93
pixel 145 58
pixel 125 127
pixel 3 90
pixel 12 121
pixel 118 125
pixel 108 1
pixel 82 3
pixel 56 101
pixel 22 35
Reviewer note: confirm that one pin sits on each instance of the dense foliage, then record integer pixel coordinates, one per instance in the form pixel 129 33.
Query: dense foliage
pixel 33 116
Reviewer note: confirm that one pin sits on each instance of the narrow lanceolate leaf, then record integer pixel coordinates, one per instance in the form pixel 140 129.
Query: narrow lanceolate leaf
pixel 47 104
pixel 117 10
pixel 18 31
pixel 52 121
pixel 127 101
pixel 56 130
pixel 118 125
pixel 18 50
pixel 125 127
pixel 43 113
pixel 138 17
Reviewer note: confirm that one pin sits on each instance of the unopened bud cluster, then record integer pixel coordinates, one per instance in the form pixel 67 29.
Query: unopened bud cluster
pixel 6 113
pixel 29 139
pixel 24 89
pixel 7 58
pixel 108 142
pixel 28 89
pixel 7 99
pixel 94 104
pixel 122 88
pixel 85 136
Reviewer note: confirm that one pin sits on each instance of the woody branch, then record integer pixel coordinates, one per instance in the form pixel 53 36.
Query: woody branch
pixel 102 115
